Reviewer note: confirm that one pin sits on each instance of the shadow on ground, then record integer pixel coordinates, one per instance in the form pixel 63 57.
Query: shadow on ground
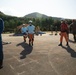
pixel 27 49
pixel 16 34
pixel 5 43
pixel 72 41
pixel 70 50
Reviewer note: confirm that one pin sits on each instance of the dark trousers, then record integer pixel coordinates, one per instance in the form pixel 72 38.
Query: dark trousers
pixel 74 36
pixel 1 52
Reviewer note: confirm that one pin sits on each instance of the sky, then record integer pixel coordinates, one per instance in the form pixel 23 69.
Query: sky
pixel 54 8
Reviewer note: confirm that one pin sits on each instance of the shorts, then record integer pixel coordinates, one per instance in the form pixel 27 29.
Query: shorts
pixel 24 33
pixel 31 36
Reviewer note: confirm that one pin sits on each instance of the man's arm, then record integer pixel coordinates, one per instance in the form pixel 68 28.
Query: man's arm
pixel 1 25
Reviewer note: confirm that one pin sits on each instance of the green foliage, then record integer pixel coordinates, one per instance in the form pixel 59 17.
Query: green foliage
pixel 11 23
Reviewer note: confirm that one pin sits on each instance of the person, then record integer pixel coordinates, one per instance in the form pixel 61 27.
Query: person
pixel 51 29
pixel 67 29
pixel 38 31
pixel 55 30
pixel 73 26
pixel 31 31
pixel 63 33
pixel 24 32
pixel 1 47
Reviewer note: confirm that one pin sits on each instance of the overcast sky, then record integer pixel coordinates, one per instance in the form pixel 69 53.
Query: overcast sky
pixel 54 8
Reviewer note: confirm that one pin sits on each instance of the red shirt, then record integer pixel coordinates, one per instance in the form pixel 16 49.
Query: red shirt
pixel 64 27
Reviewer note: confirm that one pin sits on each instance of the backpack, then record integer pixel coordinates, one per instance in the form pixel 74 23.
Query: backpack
pixel 64 28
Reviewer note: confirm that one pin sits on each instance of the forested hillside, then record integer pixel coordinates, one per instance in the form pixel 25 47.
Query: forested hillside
pixel 11 22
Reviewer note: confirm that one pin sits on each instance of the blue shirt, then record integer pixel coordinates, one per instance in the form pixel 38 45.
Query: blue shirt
pixel 24 29
pixel 31 29
pixel 1 25
pixel 1 30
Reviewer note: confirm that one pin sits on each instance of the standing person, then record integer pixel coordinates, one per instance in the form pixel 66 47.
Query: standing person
pixel 31 31
pixel 63 33
pixel 73 26
pixel 55 30
pixel 38 31
pixel 52 29
pixel 24 32
pixel 1 47
pixel 67 31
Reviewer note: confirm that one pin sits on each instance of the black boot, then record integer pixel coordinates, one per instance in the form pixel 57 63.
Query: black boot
pixel 60 44
pixel 67 44
pixel 1 64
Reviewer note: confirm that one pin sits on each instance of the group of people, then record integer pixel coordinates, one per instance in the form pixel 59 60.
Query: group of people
pixel 28 31
pixel 64 32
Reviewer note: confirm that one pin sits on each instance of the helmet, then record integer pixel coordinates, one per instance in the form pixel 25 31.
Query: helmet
pixel 23 24
pixel 30 21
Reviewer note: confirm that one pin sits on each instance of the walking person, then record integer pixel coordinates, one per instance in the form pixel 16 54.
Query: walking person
pixel 63 33
pixel 1 47
pixel 31 31
pixel 24 32
pixel 73 26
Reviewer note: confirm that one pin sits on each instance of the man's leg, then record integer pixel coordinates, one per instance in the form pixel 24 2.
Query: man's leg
pixel 61 39
pixel 24 38
pixel 66 38
pixel 32 39
pixel 1 55
pixel 1 64
pixel 74 36
pixel 29 35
